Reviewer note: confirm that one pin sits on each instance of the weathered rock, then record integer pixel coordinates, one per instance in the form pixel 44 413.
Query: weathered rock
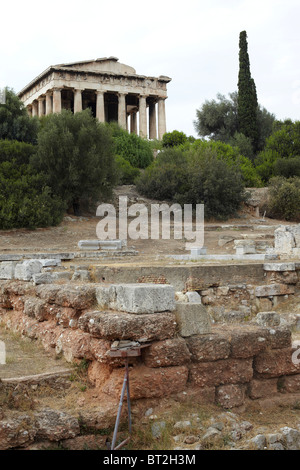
pixel 291 384
pixel 142 328
pixel 79 297
pixel 268 319
pixel 262 388
pixel 291 438
pixel 208 347
pixel 55 425
pixel 273 289
pixel 170 352
pixel 222 372
pixel 192 319
pixel 74 344
pixel 18 431
pixel 137 298
pixel 7 269
pixel 247 342
pixel 148 382
pixel 25 270
pixel 275 363
pixel 231 395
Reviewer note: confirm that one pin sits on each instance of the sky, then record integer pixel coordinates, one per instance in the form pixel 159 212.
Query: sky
pixel 194 42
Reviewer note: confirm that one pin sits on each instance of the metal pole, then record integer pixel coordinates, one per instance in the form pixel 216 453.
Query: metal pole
pixel 120 405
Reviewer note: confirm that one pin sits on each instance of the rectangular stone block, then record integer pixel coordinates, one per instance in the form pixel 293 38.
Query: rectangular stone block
pixel 7 269
pixel 170 352
pixel 274 289
pixel 25 270
pixel 227 371
pixel 137 298
pixel 148 383
pixel 276 362
pixel 231 395
pixel 262 388
pixel 208 347
pixel 247 342
pixel 290 384
pixel 117 326
pixel 192 319
pixel 279 267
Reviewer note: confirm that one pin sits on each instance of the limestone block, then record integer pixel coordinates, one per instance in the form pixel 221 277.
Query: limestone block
pixel 295 231
pixel 192 319
pixel 193 297
pixel 143 298
pixel 50 262
pixel 7 270
pixel 170 352
pixel 279 267
pixel 143 328
pixel 89 244
pixel 43 278
pixel 198 251
pixel 284 240
pixel 273 289
pixel 291 384
pixel 106 296
pixel 268 319
pixel 25 270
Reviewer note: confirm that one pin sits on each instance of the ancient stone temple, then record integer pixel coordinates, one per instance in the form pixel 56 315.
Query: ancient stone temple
pixel 113 91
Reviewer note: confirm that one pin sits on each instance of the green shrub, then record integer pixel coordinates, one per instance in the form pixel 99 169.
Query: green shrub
pixel 165 177
pixel 173 139
pixel 127 174
pixel 15 150
pixel 131 147
pixel 25 199
pixel 284 198
pixel 287 167
pixel 195 177
pixel 75 153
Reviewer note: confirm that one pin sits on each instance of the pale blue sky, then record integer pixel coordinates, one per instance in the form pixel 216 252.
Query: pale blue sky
pixel 193 42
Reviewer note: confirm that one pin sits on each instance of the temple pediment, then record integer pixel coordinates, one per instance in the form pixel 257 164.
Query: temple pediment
pixel 105 64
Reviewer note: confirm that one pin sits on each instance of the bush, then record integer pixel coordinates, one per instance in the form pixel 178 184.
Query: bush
pixel 287 167
pixel 25 199
pixel 127 174
pixel 75 152
pixel 165 177
pixel 173 139
pixel 195 177
pixel 15 124
pixel 284 198
pixel 131 147
pixel 13 150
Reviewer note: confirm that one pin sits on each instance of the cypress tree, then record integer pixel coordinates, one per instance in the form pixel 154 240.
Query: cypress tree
pixel 247 97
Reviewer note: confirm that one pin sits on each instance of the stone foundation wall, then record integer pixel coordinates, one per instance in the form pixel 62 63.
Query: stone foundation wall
pixel 187 350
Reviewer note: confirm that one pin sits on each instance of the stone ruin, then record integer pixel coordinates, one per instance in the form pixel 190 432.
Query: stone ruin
pixel 210 332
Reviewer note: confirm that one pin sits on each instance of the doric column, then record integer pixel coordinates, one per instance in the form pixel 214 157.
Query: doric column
pixel 100 110
pixel 133 123
pixel 34 108
pixel 142 117
pixel 162 128
pixel 77 101
pixel 48 103
pixel 56 100
pixel 40 106
pixel 122 116
pixel 152 121
pixel 29 110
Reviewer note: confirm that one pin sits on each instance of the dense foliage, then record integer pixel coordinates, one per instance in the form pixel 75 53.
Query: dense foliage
pixel 75 153
pixel 131 147
pixel 198 175
pixel 15 124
